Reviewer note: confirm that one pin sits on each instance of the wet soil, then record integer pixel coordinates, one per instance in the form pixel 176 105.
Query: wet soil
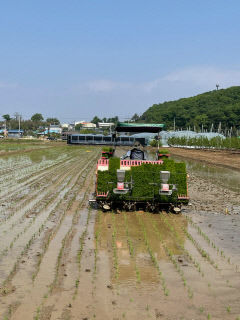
pixel 60 259
pixel 223 158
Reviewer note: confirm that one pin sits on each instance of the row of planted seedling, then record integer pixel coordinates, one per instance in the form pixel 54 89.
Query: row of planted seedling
pixel 62 216
pixel 34 235
pixel 30 178
pixel 210 242
pixel 201 251
pixel 153 257
pixel 114 247
pixel 170 254
pixel 131 249
pixel 48 198
pixel 80 253
pixel 25 175
pixel 25 249
pixel 174 260
pixel 97 239
pixel 14 195
pixel 176 236
pixel 59 259
pixel 51 176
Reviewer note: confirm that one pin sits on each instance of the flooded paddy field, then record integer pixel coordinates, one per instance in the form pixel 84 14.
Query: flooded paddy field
pixel 12 146
pixel 61 259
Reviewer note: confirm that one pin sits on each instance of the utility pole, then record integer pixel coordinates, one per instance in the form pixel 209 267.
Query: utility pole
pixel 174 124
pixel 19 124
pixel 18 118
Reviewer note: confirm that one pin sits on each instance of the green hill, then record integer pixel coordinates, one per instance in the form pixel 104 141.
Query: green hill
pixel 204 109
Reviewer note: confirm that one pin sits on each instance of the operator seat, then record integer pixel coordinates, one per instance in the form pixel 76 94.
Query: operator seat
pixel 136 154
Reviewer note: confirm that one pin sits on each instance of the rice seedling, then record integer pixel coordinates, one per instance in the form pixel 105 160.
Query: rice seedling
pixel 181 246
pixel 80 251
pixel 114 246
pixel 131 249
pixel 97 239
pixel 203 253
pixel 38 312
pixel 210 242
pixel 153 258
pixel 48 241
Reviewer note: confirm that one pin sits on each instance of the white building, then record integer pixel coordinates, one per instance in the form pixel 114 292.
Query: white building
pixel 88 125
pixel 105 125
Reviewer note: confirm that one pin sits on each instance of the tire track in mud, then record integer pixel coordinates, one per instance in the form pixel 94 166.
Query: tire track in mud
pixel 47 209
pixel 35 169
pixel 207 284
pixel 22 224
pixel 55 242
pixel 35 176
pixel 68 278
pixel 45 282
pixel 27 206
pixel 48 180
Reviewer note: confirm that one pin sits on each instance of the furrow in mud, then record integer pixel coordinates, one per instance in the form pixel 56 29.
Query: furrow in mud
pixel 34 198
pixel 63 230
pixel 24 237
pixel 16 187
pixel 19 227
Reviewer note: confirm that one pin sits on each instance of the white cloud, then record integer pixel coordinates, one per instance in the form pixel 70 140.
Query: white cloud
pixel 205 75
pixel 202 78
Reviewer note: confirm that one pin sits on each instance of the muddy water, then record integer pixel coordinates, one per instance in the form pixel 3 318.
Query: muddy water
pixel 227 178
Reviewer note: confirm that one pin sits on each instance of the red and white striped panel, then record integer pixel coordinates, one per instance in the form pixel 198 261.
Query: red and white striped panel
pixel 127 164
pixel 103 164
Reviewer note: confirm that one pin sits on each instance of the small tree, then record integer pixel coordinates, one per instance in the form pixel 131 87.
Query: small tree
pixel 53 121
pixel 96 120
pixel 6 117
pixel 37 117
pixel 135 117
pixel 78 127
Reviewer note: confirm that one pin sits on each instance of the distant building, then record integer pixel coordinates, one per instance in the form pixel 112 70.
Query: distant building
pixel 64 125
pixel 88 125
pixel 105 125
pixel 67 126
pixel 79 122
pixel 52 129
pixel 15 133
pixel 55 129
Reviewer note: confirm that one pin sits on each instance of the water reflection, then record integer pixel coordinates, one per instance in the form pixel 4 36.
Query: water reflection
pixel 34 156
pixel 222 176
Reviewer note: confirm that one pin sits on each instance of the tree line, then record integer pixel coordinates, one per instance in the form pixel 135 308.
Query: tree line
pixel 211 110
pixel 96 119
pixel 37 121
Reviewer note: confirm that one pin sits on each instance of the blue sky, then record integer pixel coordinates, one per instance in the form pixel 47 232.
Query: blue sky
pixel 73 59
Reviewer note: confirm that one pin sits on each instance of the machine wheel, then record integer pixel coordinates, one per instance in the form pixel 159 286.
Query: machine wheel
pixel 105 205
pixel 151 207
pixel 129 206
